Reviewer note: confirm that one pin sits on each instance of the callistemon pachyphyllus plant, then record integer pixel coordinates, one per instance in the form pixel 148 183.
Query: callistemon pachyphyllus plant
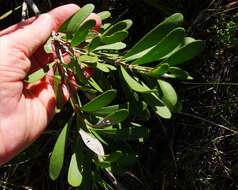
pixel 113 91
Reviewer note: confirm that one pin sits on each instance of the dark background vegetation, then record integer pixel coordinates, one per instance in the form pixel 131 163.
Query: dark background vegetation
pixel 198 148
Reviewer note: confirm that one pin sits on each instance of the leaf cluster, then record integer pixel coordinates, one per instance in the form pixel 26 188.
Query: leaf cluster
pixel 113 91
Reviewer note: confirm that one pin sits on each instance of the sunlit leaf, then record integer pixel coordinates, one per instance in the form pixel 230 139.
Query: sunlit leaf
pixel 36 76
pixel 167 44
pixel 115 46
pixel 134 84
pixel 160 70
pixel 119 26
pixel 81 34
pixel 95 85
pixel 57 156
pixel 113 118
pixel 106 110
pixel 104 15
pixel 88 58
pixel 115 37
pixel 74 174
pixel 185 53
pixel 76 20
pixel 100 101
pixel 155 35
pixel 157 105
pixel 76 168
pixel 169 94
pixel 92 143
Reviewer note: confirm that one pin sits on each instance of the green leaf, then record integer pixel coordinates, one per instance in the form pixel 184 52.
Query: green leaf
pixel 102 67
pixel 115 46
pixel 134 84
pixel 36 76
pixel 138 55
pixel 113 118
pixel 107 110
pixel 104 15
pixel 94 43
pixel 100 101
pixel 175 72
pixel 57 156
pixel 157 105
pixel 88 58
pixel 92 143
pixel 129 133
pixel 81 34
pixel 75 177
pixel 107 160
pixel 185 53
pixel 115 37
pixel 158 71
pixel 95 85
pixel 48 46
pixel 155 35
pixel 117 116
pixel 169 94
pixel 172 40
pixel 76 167
pixel 76 20
pixel 119 26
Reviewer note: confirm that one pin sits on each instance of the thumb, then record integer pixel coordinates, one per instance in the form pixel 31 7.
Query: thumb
pixel 30 37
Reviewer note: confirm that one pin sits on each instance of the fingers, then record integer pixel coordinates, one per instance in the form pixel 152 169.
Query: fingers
pixel 29 38
pixel 17 26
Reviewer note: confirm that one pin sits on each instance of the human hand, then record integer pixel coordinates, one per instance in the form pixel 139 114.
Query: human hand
pixel 25 110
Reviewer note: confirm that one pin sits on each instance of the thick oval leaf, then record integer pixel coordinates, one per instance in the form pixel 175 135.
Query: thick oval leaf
pixel 134 84
pixel 175 72
pixel 115 37
pixel 169 94
pixel 92 143
pixel 130 133
pixel 76 20
pixel 75 177
pixel 81 34
pixel 94 43
pixel 115 46
pixel 36 76
pixel 88 58
pixel 117 116
pixel 138 55
pixel 107 110
pixel 100 101
pixel 185 53
pixel 119 26
pixel 172 40
pixel 160 70
pixel 157 105
pixel 95 85
pixel 155 35
pixel 113 118
pixel 104 15
pixel 57 156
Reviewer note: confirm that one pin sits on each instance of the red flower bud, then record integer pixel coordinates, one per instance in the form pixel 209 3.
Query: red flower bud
pixel 88 72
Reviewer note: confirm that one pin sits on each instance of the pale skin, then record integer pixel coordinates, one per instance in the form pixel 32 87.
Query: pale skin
pixel 26 110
